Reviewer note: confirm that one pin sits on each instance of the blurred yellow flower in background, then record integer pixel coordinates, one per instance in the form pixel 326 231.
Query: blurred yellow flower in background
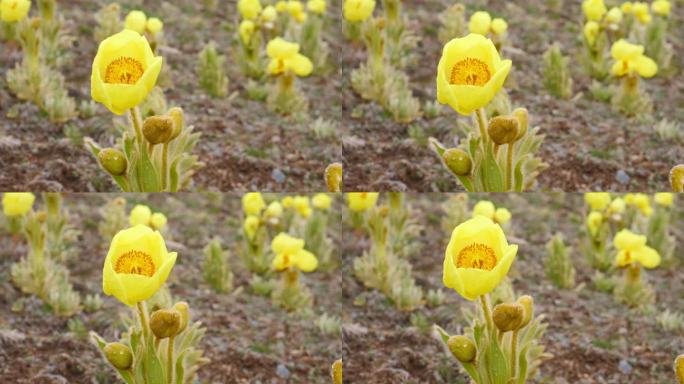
pixel 614 16
pixel 358 10
pixel 642 12
pixel 140 215
pixel 361 201
pixel 136 21
pixel 591 31
pixel 661 7
pixel 274 209
pixel 664 199
pixel 321 201
pixel 642 203
pixel 484 208
pixel 17 203
pixel 124 71
pixel 285 57
pixel 246 31
pixel 296 9
pixel 480 23
pixel 499 26
pixel 630 59
pixel 158 221
pixel 137 265
pixel 594 9
pixel 617 206
pixel 598 201
pixel 253 203
pixel 301 205
pixel 249 9
pixel 316 6
pixel 14 10
pixel 250 226
pixel 594 221
pixel 632 249
pixel 154 25
pixel 290 252
pixel 627 7
pixel 477 258
pixel 502 216
pixel 470 73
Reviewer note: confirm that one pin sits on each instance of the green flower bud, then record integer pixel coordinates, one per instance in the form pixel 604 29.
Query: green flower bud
pixel 504 129
pixel 184 309
pixel 679 369
pixel 119 355
pixel 462 348
pixel 523 122
pixel 178 121
pixel 457 161
pixel 165 323
pixel 158 129
pixel 677 178
pixel 113 161
pixel 528 304
pixel 508 316
pixel 333 177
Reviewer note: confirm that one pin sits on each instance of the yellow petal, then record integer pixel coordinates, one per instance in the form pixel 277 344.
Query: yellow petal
pixel 648 257
pixel 306 261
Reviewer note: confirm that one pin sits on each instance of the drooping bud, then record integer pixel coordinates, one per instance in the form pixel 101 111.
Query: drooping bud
pixel 528 304
pixel 679 368
pixel 184 309
pixel 41 216
pixel 113 161
pixel 119 355
pixel 462 348
pixel 165 323
pixel 503 129
pixel 336 372
pixel 677 178
pixel 457 161
pixel 158 129
pixel 383 210
pixel 508 316
pixel 523 121
pixel 178 121
pixel 333 177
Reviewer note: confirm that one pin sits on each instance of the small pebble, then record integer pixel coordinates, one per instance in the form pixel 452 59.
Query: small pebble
pixel 278 176
pixel 282 371
pixel 622 177
pixel 625 367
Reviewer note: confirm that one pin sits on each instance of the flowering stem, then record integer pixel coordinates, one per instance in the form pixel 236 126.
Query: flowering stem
pixel 482 122
pixel 137 125
pixel 144 324
pixel 514 354
pixel 165 162
pixel 484 300
pixel 169 359
pixel 509 167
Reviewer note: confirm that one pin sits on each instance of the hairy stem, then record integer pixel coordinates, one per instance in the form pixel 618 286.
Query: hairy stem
pixel 481 118
pixel 514 354
pixel 509 167
pixel 169 359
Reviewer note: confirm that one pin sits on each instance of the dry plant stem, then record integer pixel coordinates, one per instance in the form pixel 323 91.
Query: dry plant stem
pixel 169 359
pixel 484 300
pixel 514 354
pixel 509 167
pixel 482 122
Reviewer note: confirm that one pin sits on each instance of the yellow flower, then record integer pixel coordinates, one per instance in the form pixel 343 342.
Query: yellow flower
pixel 124 71
pixel 484 208
pixel 470 73
pixel 281 6
pixel 154 25
pixel 594 221
pixel 269 14
pixel 275 209
pixel 641 12
pixel 158 221
pixel 289 252
pixel 136 21
pixel 249 9
pixel 246 31
pixel 285 57
pixel 296 9
pixel 14 10
pixel 358 10
pixel 591 32
pixel 361 201
pixel 627 7
pixel 614 16
pixel 480 23
pixel 502 216
pixel 321 201
pixel 316 6
pixel 617 206
pixel 499 26
pixel 140 215
pixel 664 199
pixel 661 7
pixel 598 201
pixel 253 203
pixel 630 59
pixel 287 201
pixel 250 226
pixel 17 203
pixel 632 249
pixel 137 265
pixel 477 258
pixel 301 205
pixel 594 9
pixel 643 204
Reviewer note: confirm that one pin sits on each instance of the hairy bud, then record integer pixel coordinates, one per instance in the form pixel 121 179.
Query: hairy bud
pixel 119 355
pixel 508 316
pixel 462 348
pixel 158 129
pixel 113 161
pixel 504 129
pixel 165 323
pixel 457 161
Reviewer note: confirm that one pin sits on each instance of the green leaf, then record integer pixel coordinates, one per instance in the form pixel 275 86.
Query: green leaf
pixel 154 373
pixel 519 177
pixel 467 183
pixel 522 366
pixel 180 367
pixel 442 333
pixel 496 363
pixel 150 177
pixel 491 173
pixel 436 146
pixel 472 371
pixel 174 177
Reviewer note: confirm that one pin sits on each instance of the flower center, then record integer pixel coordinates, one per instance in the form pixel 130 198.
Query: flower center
pixel 478 256
pixel 124 70
pixel 135 263
pixel 470 72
